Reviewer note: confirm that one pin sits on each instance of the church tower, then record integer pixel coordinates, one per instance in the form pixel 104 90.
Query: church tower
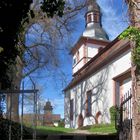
pixel 50 119
pixel 48 108
pixel 93 22
pixel 93 39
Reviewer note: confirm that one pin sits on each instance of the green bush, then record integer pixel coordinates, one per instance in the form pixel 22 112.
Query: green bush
pixel 15 130
pixel 61 123
pixel 113 111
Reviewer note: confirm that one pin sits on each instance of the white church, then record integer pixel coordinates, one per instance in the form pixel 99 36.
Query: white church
pixel 101 74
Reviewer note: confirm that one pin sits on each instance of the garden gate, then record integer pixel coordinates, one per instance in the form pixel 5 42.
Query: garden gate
pixel 124 117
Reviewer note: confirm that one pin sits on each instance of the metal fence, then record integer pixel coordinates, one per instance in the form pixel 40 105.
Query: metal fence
pixel 21 93
pixel 125 116
pixel 126 110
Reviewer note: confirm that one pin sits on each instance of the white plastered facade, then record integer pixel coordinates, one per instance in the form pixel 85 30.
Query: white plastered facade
pixel 101 85
pixel 92 50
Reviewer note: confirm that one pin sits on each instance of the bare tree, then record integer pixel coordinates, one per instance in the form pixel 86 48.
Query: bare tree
pixel 48 35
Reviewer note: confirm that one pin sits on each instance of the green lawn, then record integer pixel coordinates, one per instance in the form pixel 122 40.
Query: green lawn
pixel 100 129
pixel 103 128
pixel 42 130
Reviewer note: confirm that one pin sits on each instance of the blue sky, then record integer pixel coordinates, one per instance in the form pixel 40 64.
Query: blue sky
pixel 51 84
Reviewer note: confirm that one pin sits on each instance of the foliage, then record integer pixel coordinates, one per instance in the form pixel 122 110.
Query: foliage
pixel 133 33
pixel 15 129
pixel 10 25
pixel 61 123
pixel 53 7
pixel 113 111
pixel 1 49
pixel 12 29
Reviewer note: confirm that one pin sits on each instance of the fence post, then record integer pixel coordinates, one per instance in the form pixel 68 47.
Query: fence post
pixel 10 116
pixel 121 116
pixel 22 105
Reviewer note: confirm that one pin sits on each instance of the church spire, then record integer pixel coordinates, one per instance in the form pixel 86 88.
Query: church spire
pixel 93 22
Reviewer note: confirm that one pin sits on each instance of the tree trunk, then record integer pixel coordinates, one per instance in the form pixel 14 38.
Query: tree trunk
pixel 13 98
pixel 134 13
pixel 136 103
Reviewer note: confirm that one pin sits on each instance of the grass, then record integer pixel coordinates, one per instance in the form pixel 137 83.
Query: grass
pixel 103 128
pixel 100 129
pixel 42 130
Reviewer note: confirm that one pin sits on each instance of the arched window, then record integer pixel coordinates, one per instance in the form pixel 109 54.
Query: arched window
pixel 88 103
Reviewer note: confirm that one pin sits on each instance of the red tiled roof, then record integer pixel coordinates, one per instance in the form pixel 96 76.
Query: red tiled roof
pixel 52 117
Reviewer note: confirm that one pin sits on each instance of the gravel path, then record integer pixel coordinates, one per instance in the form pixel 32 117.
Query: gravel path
pixel 81 132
